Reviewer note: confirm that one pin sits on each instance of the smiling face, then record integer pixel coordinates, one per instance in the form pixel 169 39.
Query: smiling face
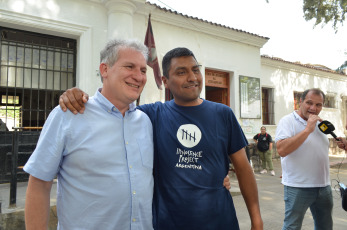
pixel 185 81
pixel 312 104
pixel 124 81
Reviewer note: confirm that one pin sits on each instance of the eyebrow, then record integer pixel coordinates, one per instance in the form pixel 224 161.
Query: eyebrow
pixel 183 67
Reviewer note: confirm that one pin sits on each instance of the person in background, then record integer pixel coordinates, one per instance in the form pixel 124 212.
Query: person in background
pixel 263 141
pixel 304 152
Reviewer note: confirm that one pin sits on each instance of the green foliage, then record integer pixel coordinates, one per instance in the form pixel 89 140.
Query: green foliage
pixel 342 67
pixel 324 11
pixel 10 112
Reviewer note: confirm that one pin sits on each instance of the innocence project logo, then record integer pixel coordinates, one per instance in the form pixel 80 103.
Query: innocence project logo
pixel 189 135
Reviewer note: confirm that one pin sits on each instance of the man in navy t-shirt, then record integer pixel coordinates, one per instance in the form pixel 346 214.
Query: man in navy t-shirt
pixel 194 139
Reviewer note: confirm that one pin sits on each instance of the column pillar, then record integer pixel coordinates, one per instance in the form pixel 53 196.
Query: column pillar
pixel 120 18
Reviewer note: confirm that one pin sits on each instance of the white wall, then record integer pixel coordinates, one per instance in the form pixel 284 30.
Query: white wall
pixel 287 77
pixel 215 47
pixel 82 20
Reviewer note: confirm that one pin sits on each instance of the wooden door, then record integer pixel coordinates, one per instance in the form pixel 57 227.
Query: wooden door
pixel 219 95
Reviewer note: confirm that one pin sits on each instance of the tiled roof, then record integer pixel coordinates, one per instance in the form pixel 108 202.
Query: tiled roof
pixel 308 65
pixel 202 20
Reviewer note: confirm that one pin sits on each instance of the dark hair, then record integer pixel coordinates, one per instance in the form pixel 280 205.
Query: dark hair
pixel 174 53
pixel 263 127
pixel 314 91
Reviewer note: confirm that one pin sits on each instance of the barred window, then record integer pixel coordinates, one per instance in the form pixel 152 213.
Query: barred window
pixel 35 70
pixel 329 101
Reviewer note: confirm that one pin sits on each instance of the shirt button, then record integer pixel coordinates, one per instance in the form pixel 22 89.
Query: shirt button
pixel 126 143
pixel 134 219
pixel 114 109
pixel 134 192
pixel 131 166
pixel 109 111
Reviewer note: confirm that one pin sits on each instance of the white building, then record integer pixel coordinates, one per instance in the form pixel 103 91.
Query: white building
pixel 66 36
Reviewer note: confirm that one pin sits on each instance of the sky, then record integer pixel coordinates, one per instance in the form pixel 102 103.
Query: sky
pixel 291 37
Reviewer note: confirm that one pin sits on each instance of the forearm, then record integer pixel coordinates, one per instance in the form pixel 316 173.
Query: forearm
pixel 249 191
pixel 289 145
pixel 37 204
pixel 248 187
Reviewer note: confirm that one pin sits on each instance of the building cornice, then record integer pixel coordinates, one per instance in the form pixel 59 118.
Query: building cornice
pixel 302 68
pixel 173 18
pixel 25 21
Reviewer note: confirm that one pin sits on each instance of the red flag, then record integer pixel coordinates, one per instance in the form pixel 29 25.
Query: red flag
pixel 152 57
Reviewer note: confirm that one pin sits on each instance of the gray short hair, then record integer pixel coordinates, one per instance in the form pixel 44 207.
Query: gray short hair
pixel 110 54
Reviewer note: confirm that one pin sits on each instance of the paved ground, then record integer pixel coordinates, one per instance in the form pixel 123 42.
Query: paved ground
pixel 21 189
pixel 270 194
pixel 272 204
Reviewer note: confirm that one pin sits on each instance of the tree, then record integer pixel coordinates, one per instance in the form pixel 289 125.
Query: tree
pixel 342 67
pixel 325 11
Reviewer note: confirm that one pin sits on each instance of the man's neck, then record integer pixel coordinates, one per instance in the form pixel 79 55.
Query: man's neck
pixel 121 106
pixel 196 102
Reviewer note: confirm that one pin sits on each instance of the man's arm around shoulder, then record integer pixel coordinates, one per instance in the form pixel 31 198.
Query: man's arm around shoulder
pixel 37 204
pixel 248 187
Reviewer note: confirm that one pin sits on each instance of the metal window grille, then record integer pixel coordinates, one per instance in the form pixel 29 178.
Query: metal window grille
pixel 35 70
pixel 329 101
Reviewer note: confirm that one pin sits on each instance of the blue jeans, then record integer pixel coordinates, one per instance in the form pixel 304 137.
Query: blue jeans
pixel 298 200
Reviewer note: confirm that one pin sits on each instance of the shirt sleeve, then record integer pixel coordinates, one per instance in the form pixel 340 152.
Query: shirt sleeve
pixel 284 129
pixel 45 161
pixel 269 138
pixel 149 109
pixel 238 139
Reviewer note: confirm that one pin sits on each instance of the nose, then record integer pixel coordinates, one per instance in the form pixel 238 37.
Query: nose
pixel 138 75
pixel 313 108
pixel 192 76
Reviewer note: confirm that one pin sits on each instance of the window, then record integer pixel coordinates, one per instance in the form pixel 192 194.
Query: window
pixel 35 70
pixel 297 96
pixel 268 114
pixel 250 102
pixel 9 99
pixel 329 101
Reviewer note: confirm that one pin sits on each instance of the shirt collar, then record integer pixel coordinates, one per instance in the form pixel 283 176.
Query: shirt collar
pixel 298 118
pixel 107 105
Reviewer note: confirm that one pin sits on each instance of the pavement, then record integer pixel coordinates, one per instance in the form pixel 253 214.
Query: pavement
pixel 270 192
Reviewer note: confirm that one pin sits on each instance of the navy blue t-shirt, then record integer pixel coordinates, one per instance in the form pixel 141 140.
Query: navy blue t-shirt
pixel 191 158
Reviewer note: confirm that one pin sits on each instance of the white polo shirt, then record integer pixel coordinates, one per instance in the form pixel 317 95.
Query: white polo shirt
pixel 308 165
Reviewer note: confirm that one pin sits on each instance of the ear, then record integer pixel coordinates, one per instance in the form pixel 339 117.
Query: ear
pixel 103 70
pixel 165 81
